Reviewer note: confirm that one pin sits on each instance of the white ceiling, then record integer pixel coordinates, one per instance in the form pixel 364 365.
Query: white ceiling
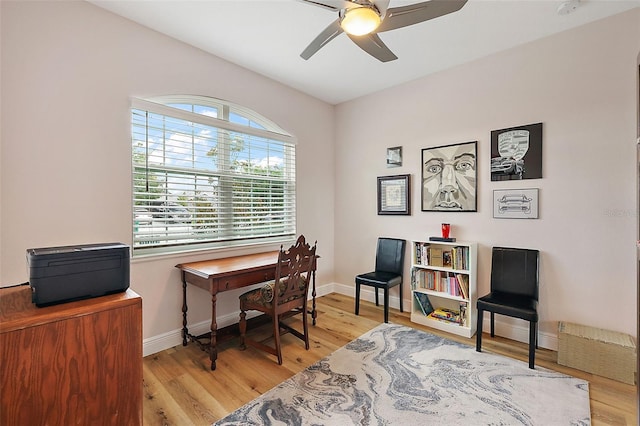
pixel 267 36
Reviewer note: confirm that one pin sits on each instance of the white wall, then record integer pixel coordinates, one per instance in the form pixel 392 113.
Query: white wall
pixel 70 68
pixel 68 72
pixel 581 84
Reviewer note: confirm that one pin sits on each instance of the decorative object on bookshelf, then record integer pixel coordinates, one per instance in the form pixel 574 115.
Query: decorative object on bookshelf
pixel 446 228
pixel 516 153
pixel 515 203
pixel 394 195
pixel 445 240
pixel 444 273
pixel 449 178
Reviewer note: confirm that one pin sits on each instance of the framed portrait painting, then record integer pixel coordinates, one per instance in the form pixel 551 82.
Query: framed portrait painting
pixel 449 178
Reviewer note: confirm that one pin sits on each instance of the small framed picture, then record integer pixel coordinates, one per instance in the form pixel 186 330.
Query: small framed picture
pixel 515 203
pixel 394 156
pixel 394 195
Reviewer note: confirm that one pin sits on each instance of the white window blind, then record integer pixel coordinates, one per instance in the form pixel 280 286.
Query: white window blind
pixel 208 174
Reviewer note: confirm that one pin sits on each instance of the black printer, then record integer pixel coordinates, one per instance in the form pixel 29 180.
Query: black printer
pixel 63 274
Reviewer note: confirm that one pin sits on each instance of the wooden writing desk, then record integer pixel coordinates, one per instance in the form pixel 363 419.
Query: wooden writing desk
pixel 225 274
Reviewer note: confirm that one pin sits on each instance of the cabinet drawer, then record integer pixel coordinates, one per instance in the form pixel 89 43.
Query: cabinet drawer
pixel 245 279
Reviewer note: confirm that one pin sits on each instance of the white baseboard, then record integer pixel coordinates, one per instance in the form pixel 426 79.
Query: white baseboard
pixel 173 338
pixel 519 333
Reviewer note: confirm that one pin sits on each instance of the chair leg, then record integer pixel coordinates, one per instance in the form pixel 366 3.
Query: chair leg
pixel 493 325
pixel 243 329
pixel 532 343
pixel 357 298
pixel 377 304
pixel 386 303
pixel 305 327
pixel 479 331
pixel 401 298
pixel 276 337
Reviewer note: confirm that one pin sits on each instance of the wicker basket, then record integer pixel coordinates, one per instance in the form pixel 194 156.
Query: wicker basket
pixel 594 350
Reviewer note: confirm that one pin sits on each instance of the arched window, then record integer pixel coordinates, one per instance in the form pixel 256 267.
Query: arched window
pixel 208 173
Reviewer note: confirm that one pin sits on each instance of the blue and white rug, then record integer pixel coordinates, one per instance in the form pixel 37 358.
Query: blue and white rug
pixel 397 375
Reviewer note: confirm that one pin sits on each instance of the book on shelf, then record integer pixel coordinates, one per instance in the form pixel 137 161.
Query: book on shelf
pixel 435 256
pixel 421 253
pixel 463 283
pixel 459 256
pixel 463 314
pixel 423 302
pixel 446 258
pixel 445 314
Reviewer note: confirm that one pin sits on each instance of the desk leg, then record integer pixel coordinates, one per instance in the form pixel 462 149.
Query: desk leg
pixel 314 313
pixel 185 330
pixel 213 351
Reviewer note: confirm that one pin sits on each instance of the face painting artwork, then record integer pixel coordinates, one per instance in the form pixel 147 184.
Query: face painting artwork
pixel 449 178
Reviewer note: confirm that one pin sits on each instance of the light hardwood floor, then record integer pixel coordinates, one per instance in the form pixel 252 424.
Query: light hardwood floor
pixel 179 388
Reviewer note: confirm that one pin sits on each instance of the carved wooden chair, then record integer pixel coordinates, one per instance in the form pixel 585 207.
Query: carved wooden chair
pixel 283 297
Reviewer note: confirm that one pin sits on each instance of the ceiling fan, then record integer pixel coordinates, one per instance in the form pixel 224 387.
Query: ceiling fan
pixel 362 20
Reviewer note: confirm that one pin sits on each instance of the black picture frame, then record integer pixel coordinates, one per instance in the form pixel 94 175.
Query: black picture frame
pixel 394 156
pixel 449 178
pixel 516 153
pixel 394 195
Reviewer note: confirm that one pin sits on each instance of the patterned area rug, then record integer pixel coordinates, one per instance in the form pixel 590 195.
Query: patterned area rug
pixel 396 375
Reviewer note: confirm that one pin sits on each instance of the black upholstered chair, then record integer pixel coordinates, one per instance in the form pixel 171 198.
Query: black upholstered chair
pixel 283 297
pixel 388 272
pixel 514 292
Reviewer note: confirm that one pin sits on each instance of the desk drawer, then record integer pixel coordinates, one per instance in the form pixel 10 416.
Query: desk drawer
pixel 245 279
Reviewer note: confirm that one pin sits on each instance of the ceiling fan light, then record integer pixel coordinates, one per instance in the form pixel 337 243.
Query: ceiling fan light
pixel 359 21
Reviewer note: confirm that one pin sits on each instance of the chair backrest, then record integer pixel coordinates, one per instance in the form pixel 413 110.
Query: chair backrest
pixel 390 255
pixel 515 271
pixel 293 273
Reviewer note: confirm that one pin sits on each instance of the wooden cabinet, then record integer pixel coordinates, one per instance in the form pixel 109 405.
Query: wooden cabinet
pixel 78 363
pixel 437 271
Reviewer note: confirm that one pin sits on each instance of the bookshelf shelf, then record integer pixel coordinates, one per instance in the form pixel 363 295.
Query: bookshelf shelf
pixel 440 294
pixel 444 273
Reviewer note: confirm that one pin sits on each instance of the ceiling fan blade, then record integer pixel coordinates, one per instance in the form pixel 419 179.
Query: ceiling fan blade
pixel 333 5
pixel 398 17
pixel 334 29
pixel 382 6
pixel 373 45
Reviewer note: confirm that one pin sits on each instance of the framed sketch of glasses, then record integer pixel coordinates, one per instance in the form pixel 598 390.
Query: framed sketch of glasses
pixel 394 195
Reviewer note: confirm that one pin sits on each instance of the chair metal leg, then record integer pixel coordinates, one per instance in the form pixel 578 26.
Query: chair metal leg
pixel 386 303
pixel 532 344
pixel 493 325
pixel 357 298
pixel 377 304
pixel 479 331
pixel 401 298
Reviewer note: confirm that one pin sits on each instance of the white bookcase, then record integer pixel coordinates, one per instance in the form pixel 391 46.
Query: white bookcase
pixel 437 268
